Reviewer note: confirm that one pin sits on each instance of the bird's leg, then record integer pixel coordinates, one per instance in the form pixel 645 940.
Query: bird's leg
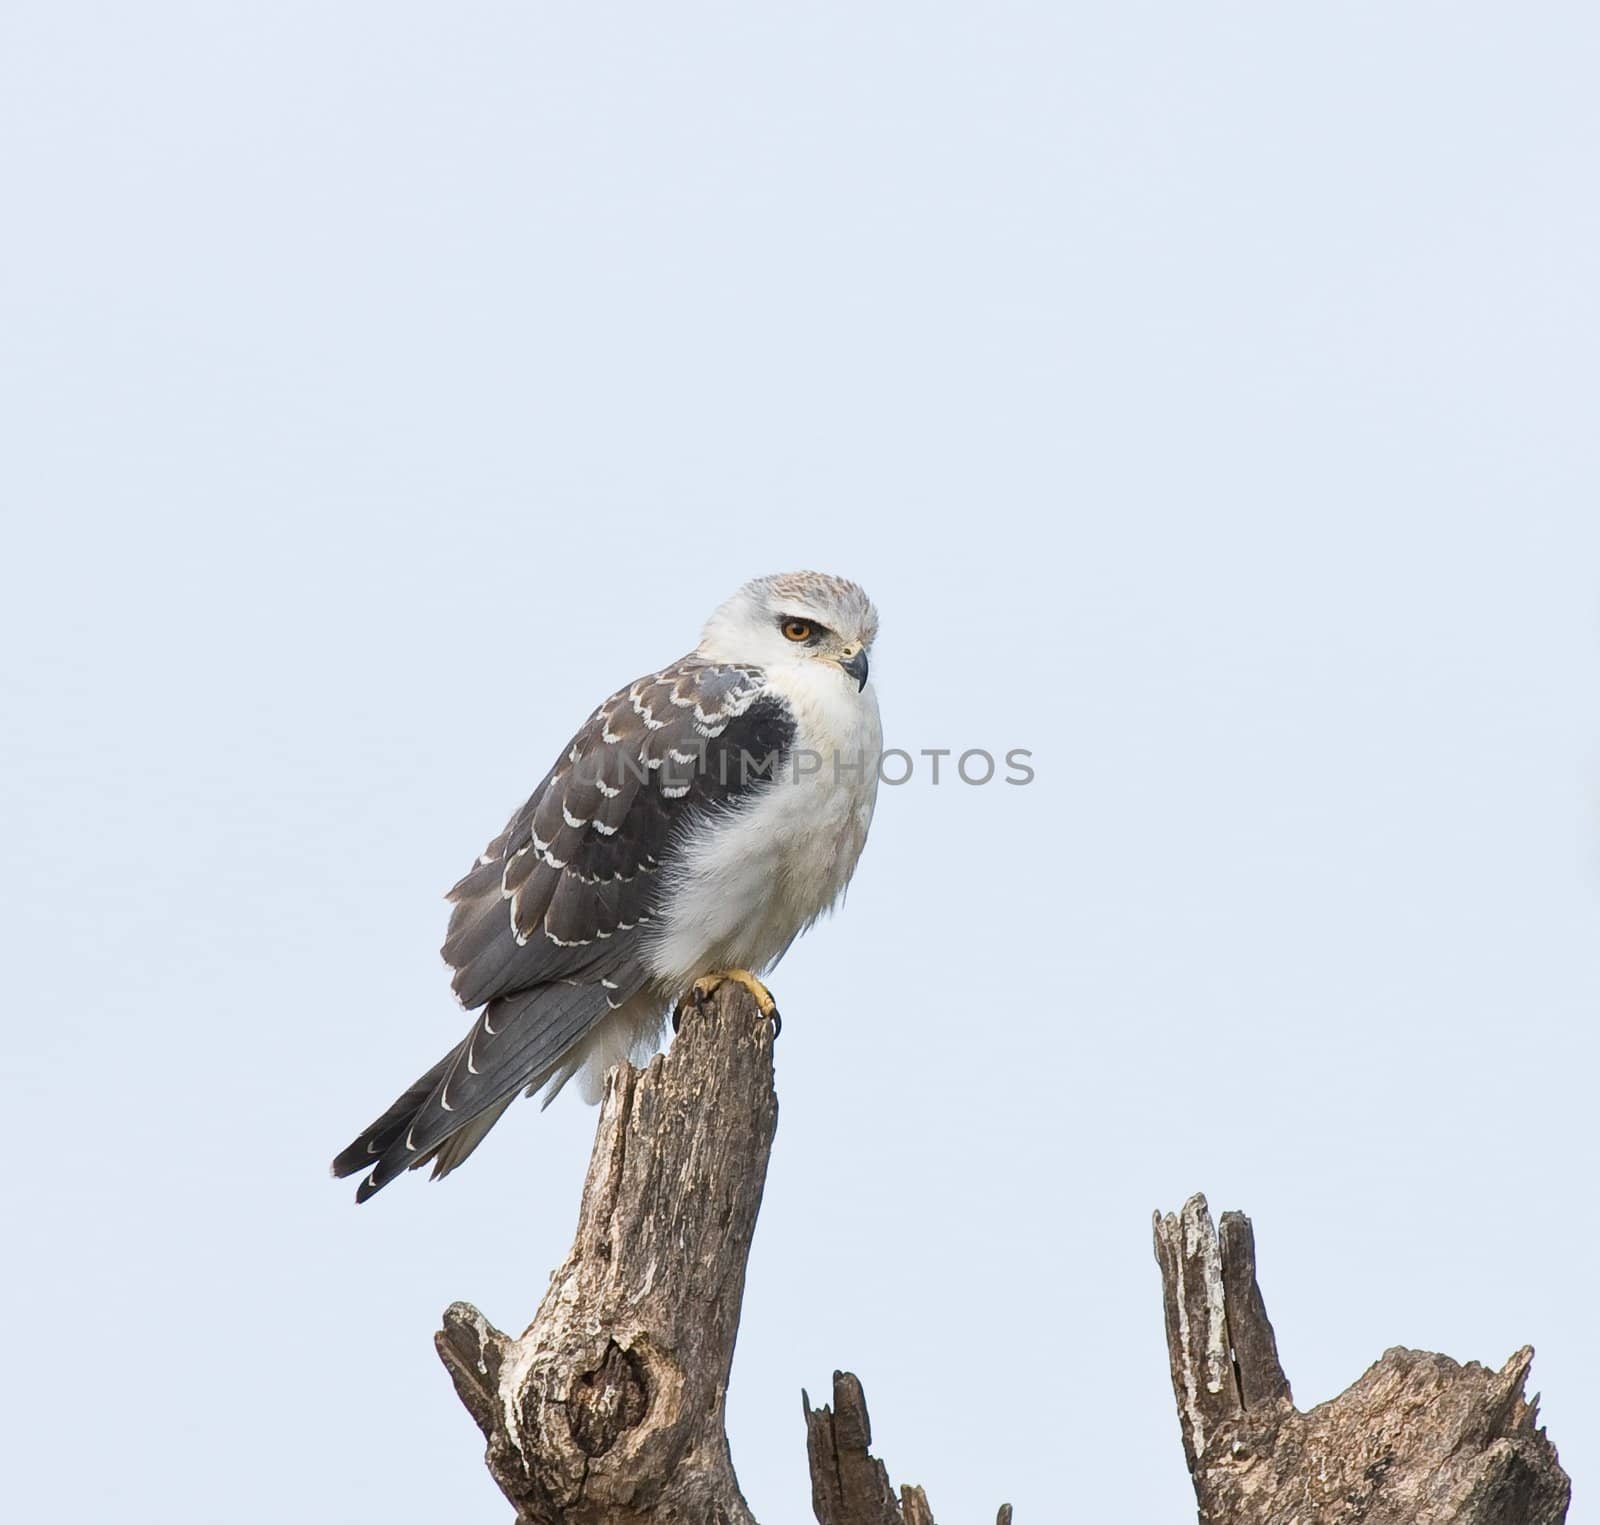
pixel 706 986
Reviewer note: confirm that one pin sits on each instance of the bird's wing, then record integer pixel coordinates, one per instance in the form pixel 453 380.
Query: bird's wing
pixel 570 887
pixel 548 925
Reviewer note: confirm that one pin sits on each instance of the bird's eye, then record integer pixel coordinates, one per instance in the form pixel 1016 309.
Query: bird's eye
pixel 798 630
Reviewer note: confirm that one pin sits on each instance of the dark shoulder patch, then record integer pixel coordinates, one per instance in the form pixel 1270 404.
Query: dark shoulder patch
pixel 750 754
pixel 566 891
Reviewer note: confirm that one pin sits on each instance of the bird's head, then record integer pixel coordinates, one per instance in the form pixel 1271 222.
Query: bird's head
pixel 795 617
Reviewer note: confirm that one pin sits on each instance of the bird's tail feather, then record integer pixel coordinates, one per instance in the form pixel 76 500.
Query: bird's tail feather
pixel 383 1135
pixel 363 1151
pixel 517 1041
pixel 464 1140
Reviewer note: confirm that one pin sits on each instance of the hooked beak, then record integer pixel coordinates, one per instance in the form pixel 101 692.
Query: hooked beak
pixel 856 666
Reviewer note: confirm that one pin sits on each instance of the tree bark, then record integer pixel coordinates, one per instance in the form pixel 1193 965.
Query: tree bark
pixel 849 1485
pixel 1417 1440
pixel 609 1408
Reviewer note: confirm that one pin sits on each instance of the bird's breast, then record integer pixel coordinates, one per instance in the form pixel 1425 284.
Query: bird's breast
pixel 747 882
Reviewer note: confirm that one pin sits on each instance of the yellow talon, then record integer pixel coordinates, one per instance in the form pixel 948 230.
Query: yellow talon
pixel 706 986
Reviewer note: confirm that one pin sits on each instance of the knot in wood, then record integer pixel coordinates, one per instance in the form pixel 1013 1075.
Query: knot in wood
pixel 607 1401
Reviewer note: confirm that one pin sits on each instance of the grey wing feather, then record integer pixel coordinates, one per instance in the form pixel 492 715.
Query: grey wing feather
pixel 548 926
pixel 567 889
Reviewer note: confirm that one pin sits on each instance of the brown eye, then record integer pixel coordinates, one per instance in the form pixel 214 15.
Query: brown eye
pixel 797 630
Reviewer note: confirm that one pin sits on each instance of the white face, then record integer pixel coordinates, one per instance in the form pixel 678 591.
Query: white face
pixel 800 618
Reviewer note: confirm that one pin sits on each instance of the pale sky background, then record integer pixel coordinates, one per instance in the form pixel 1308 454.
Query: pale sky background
pixel 1207 395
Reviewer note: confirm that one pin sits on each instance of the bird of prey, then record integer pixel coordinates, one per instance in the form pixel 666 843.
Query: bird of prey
pixel 699 821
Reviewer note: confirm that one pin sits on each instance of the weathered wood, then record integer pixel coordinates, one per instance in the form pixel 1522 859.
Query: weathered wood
pixel 1417 1440
pixel 850 1486
pixel 608 1410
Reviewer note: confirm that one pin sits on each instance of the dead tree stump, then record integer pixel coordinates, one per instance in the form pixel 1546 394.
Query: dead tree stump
pixel 1417 1440
pixel 849 1485
pixel 608 1409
